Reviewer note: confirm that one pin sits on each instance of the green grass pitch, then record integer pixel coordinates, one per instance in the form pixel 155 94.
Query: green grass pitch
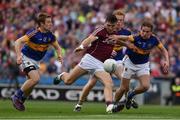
pixel 48 110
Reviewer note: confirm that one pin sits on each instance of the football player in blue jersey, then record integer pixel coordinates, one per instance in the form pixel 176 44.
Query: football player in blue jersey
pixel 119 53
pixel 36 43
pixel 137 62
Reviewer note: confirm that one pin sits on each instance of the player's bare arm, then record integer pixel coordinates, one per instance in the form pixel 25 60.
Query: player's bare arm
pixel 165 62
pixel 58 50
pixel 119 38
pixel 127 41
pixel 18 43
pixel 85 43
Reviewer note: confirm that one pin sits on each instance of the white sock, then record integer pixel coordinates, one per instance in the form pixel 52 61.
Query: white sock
pixel 60 75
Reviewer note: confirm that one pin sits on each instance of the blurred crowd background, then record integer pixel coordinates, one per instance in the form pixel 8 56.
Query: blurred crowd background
pixel 75 19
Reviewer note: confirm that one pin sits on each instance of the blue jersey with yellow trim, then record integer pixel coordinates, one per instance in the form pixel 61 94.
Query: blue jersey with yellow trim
pixel 118 49
pixel 37 44
pixel 144 44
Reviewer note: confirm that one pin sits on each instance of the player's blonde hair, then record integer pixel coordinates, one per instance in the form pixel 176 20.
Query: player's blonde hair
pixel 118 12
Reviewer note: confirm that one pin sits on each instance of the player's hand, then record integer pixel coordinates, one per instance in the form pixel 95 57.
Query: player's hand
pixel 78 49
pixel 114 38
pixel 19 60
pixel 165 66
pixel 131 46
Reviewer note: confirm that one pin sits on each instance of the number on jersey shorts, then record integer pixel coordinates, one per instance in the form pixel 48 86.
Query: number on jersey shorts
pixel 134 69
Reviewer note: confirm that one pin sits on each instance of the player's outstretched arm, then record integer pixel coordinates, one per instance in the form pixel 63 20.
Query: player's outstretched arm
pixel 58 50
pixel 86 42
pixel 18 43
pixel 165 62
pixel 120 38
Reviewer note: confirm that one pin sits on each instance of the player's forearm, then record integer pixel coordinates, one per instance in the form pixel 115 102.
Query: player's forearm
pixel 85 43
pixel 18 47
pixel 122 43
pixel 58 50
pixel 122 37
pixel 166 56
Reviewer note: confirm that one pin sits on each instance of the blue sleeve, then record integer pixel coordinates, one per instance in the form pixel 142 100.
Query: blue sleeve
pixel 157 41
pixel 53 38
pixel 31 32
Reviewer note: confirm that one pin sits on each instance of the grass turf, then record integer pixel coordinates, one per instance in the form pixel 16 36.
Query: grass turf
pixel 49 110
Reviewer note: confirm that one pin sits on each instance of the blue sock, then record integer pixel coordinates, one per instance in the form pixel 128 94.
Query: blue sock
pixel 131 94
pixel 24 98
pixel 19 93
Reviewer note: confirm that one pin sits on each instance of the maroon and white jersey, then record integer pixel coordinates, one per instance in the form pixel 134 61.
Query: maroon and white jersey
pixel 101 48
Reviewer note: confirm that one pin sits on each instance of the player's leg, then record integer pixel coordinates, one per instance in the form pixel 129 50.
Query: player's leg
pixel 30 67
pixel 106 79
pixel 119 70
pixel 143 75
pixel 34 77
pixel 119 94
pixel 144 81
pixel 124 87
pixel 118 74
pixel 86 89
pixel 144 86
pixel 69 78
pixel 86 63
pixel 20 95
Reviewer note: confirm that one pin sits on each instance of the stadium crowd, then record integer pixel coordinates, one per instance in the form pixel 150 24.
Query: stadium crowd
pixel 75 19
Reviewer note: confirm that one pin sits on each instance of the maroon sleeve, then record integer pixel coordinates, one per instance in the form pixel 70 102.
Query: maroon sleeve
pixel 97 32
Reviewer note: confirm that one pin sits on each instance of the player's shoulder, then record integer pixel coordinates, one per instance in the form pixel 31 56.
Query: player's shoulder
pixel 51 34
pixel 155 37
pixel 31 32
pixel 99 30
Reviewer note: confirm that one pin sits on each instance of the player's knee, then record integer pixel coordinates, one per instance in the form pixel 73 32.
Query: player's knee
pixel 146 87
pixel 36 80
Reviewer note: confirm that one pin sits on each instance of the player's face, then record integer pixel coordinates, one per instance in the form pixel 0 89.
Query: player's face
pixel 48 24
pixel 111 27
pixel 146 32
pixel 120 22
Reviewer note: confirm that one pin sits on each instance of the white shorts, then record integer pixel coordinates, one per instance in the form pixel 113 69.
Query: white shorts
pixel 131 69
pixel 119 62
pixel 26 62
pixel 91 64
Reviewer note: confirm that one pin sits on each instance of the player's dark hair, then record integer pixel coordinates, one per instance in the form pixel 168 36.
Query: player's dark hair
pixel 41 18
pixel 111 18
pixel 147 24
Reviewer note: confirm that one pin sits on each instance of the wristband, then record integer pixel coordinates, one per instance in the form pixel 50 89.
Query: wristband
pixel 81 46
